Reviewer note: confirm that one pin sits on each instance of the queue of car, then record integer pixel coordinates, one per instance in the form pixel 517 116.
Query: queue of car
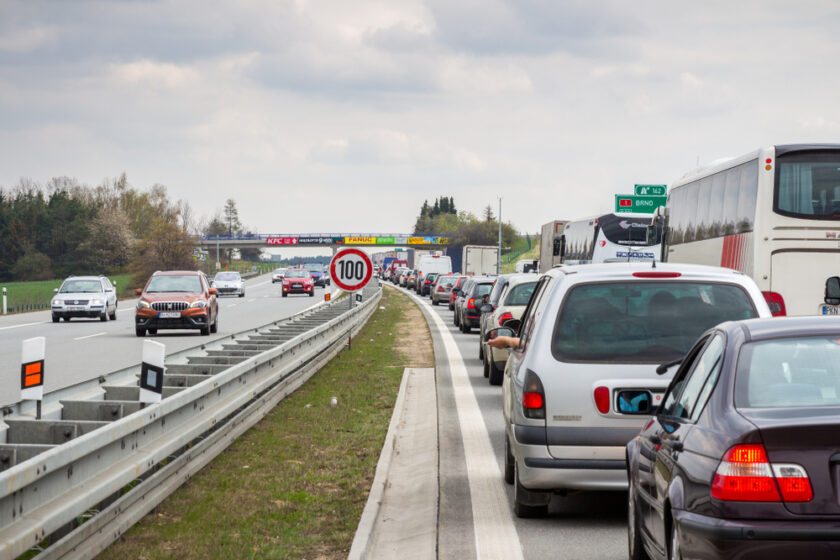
pixel 675 383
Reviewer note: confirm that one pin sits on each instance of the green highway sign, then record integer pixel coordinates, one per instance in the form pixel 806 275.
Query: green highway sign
pixel 640 204
pixel 649 190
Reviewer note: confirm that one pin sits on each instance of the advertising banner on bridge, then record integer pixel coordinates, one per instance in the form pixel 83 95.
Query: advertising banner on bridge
pixel 281 241
pixel 384 240
pixel 433 240
pixel 315 240
pixel 360 241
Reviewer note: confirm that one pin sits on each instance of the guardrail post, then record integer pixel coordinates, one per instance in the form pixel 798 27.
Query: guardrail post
pixel 4 300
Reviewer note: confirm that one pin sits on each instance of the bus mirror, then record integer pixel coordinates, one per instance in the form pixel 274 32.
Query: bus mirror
pixel 832 290
pixel 556 248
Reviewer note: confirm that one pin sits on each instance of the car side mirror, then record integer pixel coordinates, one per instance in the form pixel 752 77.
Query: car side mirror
pixel 138 291
pixel 213 291
pixel 55 290
pixel 832 290
pixel 456 290
pixel 513 324
pixel 497 332
pixel 487 308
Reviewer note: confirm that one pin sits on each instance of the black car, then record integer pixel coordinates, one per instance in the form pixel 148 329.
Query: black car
pixel 742 458
pixel 473 299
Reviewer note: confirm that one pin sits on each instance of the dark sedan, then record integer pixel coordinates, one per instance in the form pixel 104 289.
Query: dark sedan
pixel 742 458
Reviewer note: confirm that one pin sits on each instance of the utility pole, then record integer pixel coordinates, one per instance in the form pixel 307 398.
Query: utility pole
pixel 499 256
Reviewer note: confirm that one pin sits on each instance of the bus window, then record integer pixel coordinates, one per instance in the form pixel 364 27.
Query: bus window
pixel 808 185
pixel 716 203
pixel 704 193
pixel 690 203
pixel 747 196
pixel 730 200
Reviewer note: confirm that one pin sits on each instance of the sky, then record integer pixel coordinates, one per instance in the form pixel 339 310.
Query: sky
pixel 344 115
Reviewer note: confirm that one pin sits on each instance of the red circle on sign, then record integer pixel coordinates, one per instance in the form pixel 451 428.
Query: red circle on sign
pixel 347 286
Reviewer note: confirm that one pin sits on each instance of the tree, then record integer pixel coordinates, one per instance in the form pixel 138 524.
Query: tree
pixel 108 248
pixel 231 215
pixel 32 266
pixel 488 214
pixel 166 247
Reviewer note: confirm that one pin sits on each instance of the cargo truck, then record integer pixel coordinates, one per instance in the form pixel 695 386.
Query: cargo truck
pixel 550 241
pixel 479 260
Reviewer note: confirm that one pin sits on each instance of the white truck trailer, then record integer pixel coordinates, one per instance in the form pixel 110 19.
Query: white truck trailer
pixel 550 237
pixel 479 260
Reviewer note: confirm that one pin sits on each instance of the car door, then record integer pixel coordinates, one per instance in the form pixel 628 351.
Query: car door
pixel 680 410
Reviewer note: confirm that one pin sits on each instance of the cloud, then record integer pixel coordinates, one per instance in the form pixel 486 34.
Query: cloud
pixel 148 73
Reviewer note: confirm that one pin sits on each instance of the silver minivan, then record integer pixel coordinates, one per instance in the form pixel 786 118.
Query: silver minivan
pixel 583 379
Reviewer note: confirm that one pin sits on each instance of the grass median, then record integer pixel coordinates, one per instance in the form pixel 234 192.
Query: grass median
pixel 294 486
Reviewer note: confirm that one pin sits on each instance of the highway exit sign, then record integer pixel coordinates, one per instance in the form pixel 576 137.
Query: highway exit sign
pixel 649 190
pixel 640 204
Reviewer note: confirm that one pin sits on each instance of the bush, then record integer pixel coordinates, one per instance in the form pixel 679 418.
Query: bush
pixel 32 266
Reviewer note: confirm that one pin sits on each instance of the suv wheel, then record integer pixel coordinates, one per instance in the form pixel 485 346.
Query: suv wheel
pixel 113 315
pixel 55 318
pixel 214 328
pixel 521 496
pixel 509 462
pixel 104 316
pixel 140 331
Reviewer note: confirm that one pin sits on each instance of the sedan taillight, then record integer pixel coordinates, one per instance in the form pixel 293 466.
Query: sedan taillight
pixel 505 317
pixel 746 475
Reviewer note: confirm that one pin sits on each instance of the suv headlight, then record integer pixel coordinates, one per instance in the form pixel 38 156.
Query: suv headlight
pixel 201 304
pixel 141 304
pixel 58 302
pixel 96 302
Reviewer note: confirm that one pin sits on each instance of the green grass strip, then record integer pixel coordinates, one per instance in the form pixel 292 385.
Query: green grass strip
pixel 293 486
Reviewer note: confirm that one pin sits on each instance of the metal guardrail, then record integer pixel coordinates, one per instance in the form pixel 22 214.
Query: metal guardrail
pixel 72 500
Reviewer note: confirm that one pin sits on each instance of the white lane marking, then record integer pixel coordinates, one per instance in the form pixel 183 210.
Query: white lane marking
pixel 252 299
pixel 24 325
pixel 90 336
pixel 260 284
pixel 495 533
pixel 125 309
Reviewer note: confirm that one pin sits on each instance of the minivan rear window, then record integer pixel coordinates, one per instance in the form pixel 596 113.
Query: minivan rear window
pixel 642 322
pixel 793 372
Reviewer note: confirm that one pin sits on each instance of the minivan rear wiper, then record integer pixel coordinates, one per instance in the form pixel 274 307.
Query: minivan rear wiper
pixel 661 369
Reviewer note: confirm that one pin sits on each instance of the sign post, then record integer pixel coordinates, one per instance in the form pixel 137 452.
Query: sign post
pixel 32 372
pixel 151 372
pixel 351 270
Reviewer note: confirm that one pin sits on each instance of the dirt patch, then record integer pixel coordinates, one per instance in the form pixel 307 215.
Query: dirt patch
pixel 414 338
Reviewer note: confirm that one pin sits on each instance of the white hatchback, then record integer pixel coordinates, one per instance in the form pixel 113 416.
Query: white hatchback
pixel 583 379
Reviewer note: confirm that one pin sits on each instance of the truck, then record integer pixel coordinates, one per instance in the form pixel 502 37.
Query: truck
pixel 479 260
pixel 550 240
pixel 528 265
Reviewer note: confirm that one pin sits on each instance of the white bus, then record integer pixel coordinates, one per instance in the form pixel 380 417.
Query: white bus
pixel 609 238
pixel 773 214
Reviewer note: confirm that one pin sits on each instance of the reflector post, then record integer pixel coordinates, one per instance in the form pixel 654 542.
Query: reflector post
pixel 32 355
pixel 151 372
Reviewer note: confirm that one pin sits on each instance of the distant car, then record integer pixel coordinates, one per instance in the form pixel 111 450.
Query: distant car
pixel 459 298
pixel 499 286
pixel 426 283
pixel 277 275
pixel 455 290
pixel 741 458
pixel 411 280
pixel 177 299
pixel 298 281
pixel 510 305
pixel 442 287
pixel 317 271
pixel 229 284
pixel 474 295
pixel 84 296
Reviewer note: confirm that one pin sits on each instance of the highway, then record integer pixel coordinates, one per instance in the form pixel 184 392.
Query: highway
pixel 589 525
pixel 87 348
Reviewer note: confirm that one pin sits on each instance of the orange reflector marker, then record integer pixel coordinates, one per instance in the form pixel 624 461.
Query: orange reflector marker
pixel 327 297
pixel 31 374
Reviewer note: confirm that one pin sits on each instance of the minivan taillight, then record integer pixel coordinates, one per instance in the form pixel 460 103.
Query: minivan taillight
pixel 471 303
pixel 602 399
pixel 533 397
pixel 746 475
pixel 776 303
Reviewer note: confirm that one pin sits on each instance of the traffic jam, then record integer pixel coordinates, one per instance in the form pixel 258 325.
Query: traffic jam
pixel 687 353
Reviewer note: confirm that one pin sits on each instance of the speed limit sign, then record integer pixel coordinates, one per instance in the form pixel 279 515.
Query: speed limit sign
pixel 351 269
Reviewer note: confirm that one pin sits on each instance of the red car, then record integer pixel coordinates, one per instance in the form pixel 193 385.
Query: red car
pixel 298 281
pixel 454 294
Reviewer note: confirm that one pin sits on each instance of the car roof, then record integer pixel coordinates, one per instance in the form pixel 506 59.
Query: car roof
pixel 523 278
pixel 786 327
pixel 618 271
pixel 84 278
pixel 176 272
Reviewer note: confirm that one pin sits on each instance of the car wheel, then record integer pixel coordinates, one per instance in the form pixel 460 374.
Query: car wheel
pixel 285 294
pixel 67 319
pixel 104 317
pixel 496 374
pixel 214 328
pixel 674 552
pixel 140 331
pixel 205 331
pixel 312 293
pixel 455 319
pixel 434 301
pixel 55 318
pixel 242 294
pixel 520 508
pixel 467 328
pixel 634 536
pixel 509 463
pixel 152 331
pixel 481 348
pixel 113 315
pixel 486 366
pixel 451 307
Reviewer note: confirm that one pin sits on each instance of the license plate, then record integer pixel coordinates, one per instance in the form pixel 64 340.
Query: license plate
pixel 75 308
pixel 169 314
pixel 826 309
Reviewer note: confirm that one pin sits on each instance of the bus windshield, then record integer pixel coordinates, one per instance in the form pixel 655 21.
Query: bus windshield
pixel 624 230
pixel 808 185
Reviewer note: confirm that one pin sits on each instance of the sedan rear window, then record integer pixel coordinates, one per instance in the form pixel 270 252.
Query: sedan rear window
pixel 521 294
pixel 793 372
pixel 642 322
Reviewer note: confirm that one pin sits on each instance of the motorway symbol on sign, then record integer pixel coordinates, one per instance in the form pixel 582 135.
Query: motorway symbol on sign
pixel 640 204
pixel 649 190
pixel 351 269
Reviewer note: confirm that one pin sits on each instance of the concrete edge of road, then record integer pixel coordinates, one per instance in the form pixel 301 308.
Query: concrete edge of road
pixel 400 516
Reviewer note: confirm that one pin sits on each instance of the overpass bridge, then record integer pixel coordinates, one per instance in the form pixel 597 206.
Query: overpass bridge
pixel 265 240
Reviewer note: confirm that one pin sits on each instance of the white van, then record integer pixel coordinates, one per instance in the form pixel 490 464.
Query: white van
pixel 439 264
pixel 583 379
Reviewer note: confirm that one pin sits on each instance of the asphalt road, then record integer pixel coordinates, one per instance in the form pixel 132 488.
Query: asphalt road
pixel 87 348
pixel 588 525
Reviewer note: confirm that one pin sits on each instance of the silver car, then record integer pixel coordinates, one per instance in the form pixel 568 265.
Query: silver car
pixel 442 289
pixel 583 378
pixel 511 303
pixel 229 284
pixel 277 275
pixel 84 296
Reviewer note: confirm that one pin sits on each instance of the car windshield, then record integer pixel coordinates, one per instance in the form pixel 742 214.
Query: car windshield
pixel 446 281
pixel 314 267
pixel 642 322
pixel 174 283
pixel 792 372
pixel 81 287
pixel 479 290
pixel 228 276
pixel 297 274
pixel 520 294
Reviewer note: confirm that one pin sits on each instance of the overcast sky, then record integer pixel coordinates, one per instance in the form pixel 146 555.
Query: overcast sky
pixel 343 115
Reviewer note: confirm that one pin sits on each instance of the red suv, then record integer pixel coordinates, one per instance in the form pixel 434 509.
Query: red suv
pixel 178 299
pixel 298 281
